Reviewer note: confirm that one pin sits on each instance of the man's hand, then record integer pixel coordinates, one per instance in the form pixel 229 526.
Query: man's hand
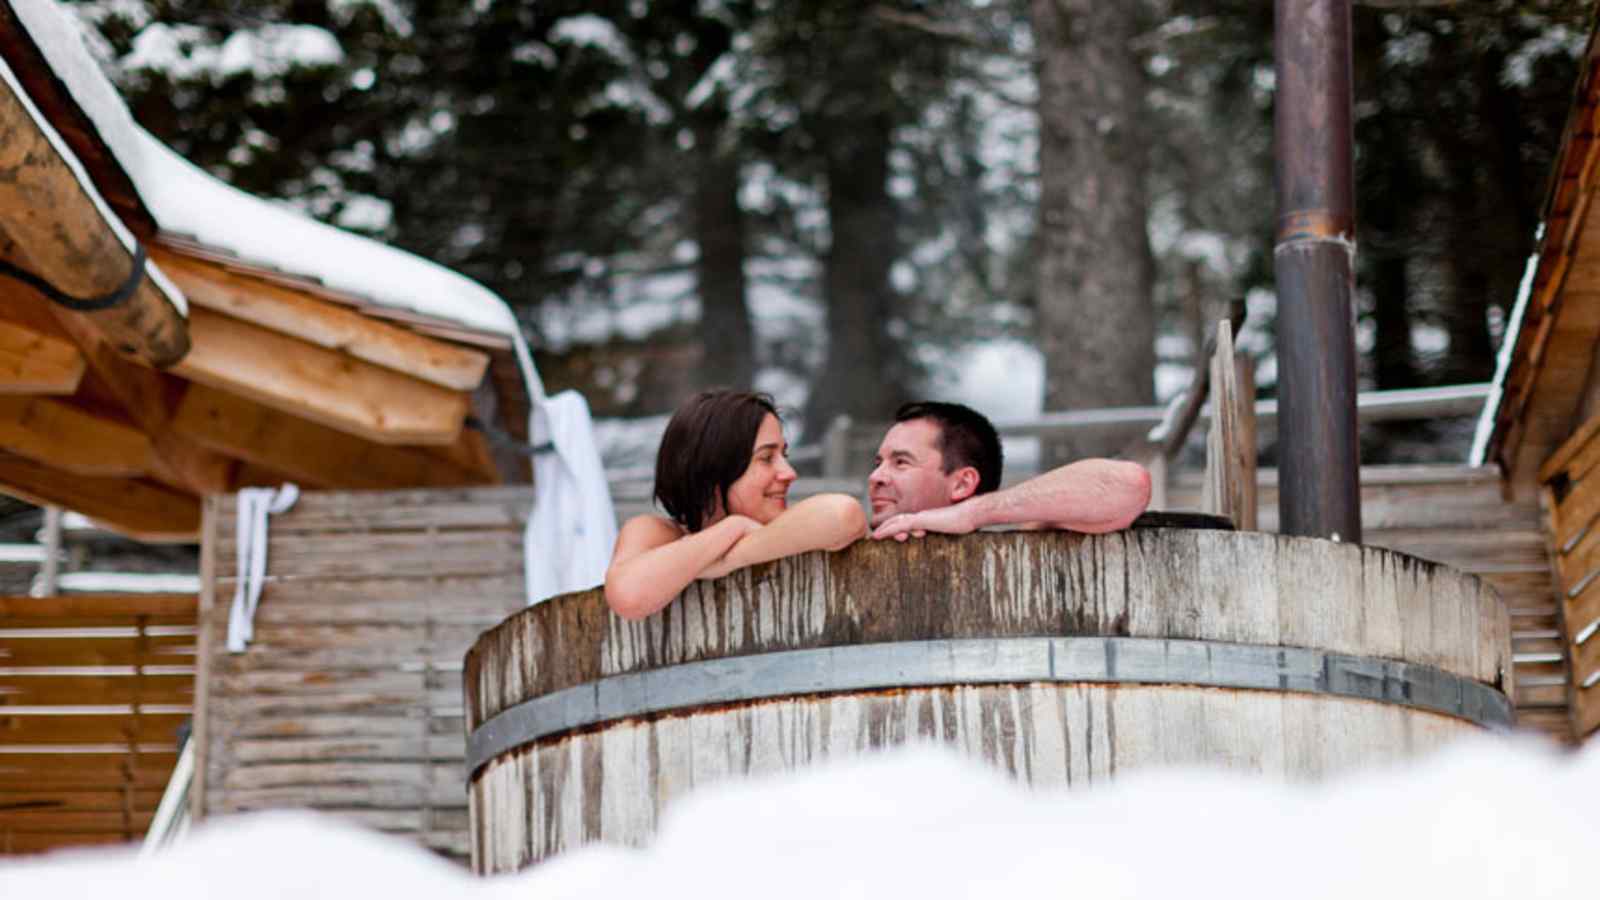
pixel 945 520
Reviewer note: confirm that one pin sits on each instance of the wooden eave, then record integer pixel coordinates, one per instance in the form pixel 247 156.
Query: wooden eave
pixel 53 99
pixel 1543 384
pixel 283 378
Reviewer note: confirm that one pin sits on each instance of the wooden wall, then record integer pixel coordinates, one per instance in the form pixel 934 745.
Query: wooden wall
pixel 349 699
pixel 93 691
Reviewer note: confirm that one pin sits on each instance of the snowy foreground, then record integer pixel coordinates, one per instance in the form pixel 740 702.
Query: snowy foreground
pixel 1487 819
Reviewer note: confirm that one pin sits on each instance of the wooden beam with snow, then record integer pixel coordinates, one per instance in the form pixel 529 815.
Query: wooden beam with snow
pixel 139 509
pixel 60 435
pixel 322 385
pixel 312 454
pixel 34 363
pixel 63 234
pixel 281 309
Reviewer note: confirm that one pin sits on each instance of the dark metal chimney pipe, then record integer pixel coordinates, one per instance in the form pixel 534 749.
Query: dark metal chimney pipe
pixel 1319 467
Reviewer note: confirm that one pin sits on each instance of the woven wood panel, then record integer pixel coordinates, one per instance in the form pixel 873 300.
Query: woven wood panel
pixel 349 699
pixel 93 692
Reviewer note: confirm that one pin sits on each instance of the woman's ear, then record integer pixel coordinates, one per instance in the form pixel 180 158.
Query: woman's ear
pixel 964 483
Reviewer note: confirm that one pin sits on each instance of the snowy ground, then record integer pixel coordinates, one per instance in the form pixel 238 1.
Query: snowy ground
pixel 1486 819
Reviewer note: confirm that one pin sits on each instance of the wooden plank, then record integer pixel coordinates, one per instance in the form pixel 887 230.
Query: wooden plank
pixel 128 605
pixel 136 508
pixel 290 312
pixel 445 792
pixel 141 799
pixel 20 730
pixel 1578 444
pixel 305 451
pixel 147 768
pixel 34 363
pixel 65 437
pixel 322 385
pixel 359 748
pixel 465 600
pixel 14 842
pixel 375 774
pixel 209 611
pixel 41 821
pixel 1585 711
pixel 403 641
pixel 1541 695
pixel 389 555
pixel 60 690
pixel 149 651
pixel 403 510
pixel 62 235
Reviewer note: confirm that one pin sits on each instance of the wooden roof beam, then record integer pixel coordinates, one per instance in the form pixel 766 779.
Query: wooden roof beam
pixel 281 309
pixel 139 509
pixel 319 384
pixel 34 363
pixel 64 234
pixel 61 435
pixel 313 454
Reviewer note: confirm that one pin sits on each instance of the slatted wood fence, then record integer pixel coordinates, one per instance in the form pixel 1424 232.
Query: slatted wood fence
pixel 93 691
pixel 349 699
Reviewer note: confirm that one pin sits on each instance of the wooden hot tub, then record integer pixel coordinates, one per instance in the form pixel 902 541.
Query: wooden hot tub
pixel 1062 658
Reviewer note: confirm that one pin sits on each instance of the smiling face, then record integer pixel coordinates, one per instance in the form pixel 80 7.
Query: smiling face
pixel 762 492
pixel 908 473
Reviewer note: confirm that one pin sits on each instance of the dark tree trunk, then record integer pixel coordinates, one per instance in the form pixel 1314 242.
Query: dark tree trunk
pixel 719 226
pixel 860 376
pixel 1096 321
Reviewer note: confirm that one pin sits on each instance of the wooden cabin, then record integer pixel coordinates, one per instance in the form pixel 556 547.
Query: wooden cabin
pixel 1540 424
pixel 166 339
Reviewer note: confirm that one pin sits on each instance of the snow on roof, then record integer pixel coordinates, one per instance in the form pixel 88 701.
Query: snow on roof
pixel 187 201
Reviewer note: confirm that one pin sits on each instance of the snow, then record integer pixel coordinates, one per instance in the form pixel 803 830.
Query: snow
pixel 184 51
pixel 187 201
pixel 1488 818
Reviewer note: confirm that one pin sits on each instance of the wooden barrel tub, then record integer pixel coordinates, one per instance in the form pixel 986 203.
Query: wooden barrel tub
pixel 1062 658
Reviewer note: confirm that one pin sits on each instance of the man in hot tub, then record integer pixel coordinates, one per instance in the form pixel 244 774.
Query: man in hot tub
pixel 938 469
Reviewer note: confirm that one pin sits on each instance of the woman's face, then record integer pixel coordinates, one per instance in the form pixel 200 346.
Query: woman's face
pixel 762 492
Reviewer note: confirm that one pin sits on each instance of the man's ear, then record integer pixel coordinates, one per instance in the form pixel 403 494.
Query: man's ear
pixel 964 483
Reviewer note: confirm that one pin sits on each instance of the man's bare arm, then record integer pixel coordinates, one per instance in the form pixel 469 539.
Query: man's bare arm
pixel 1091 495
pixel 821 522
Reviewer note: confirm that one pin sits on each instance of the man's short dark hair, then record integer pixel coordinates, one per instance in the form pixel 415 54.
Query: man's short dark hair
pixel 706 447
pixel 966 438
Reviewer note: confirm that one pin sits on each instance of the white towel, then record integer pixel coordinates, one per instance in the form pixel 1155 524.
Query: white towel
pixel 250 540
pixel 568 542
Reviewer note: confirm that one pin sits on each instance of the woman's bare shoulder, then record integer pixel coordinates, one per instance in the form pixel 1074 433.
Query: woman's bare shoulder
pixel 650 526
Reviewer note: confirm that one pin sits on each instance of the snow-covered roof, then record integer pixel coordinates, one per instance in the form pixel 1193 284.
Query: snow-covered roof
pixel 187 202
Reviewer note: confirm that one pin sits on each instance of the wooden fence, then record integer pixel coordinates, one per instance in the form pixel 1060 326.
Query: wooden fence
pixel 93 692
pixel 349 698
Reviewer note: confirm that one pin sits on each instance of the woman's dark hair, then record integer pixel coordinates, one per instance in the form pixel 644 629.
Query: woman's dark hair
pixel 705 449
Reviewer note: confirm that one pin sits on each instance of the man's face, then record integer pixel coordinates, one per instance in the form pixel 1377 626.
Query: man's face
pixel 908 472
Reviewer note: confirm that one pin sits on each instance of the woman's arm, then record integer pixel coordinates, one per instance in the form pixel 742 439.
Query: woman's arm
pixel 819 522
pixel 654 561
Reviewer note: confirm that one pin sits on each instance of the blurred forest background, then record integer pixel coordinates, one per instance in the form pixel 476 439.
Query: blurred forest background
pixel 841 201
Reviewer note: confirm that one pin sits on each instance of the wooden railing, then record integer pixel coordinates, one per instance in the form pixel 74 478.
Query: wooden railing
pixel 93 692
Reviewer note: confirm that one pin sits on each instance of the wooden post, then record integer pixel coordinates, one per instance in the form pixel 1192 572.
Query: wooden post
pixel 836 449
pixel 1314 259
pixel 50 570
